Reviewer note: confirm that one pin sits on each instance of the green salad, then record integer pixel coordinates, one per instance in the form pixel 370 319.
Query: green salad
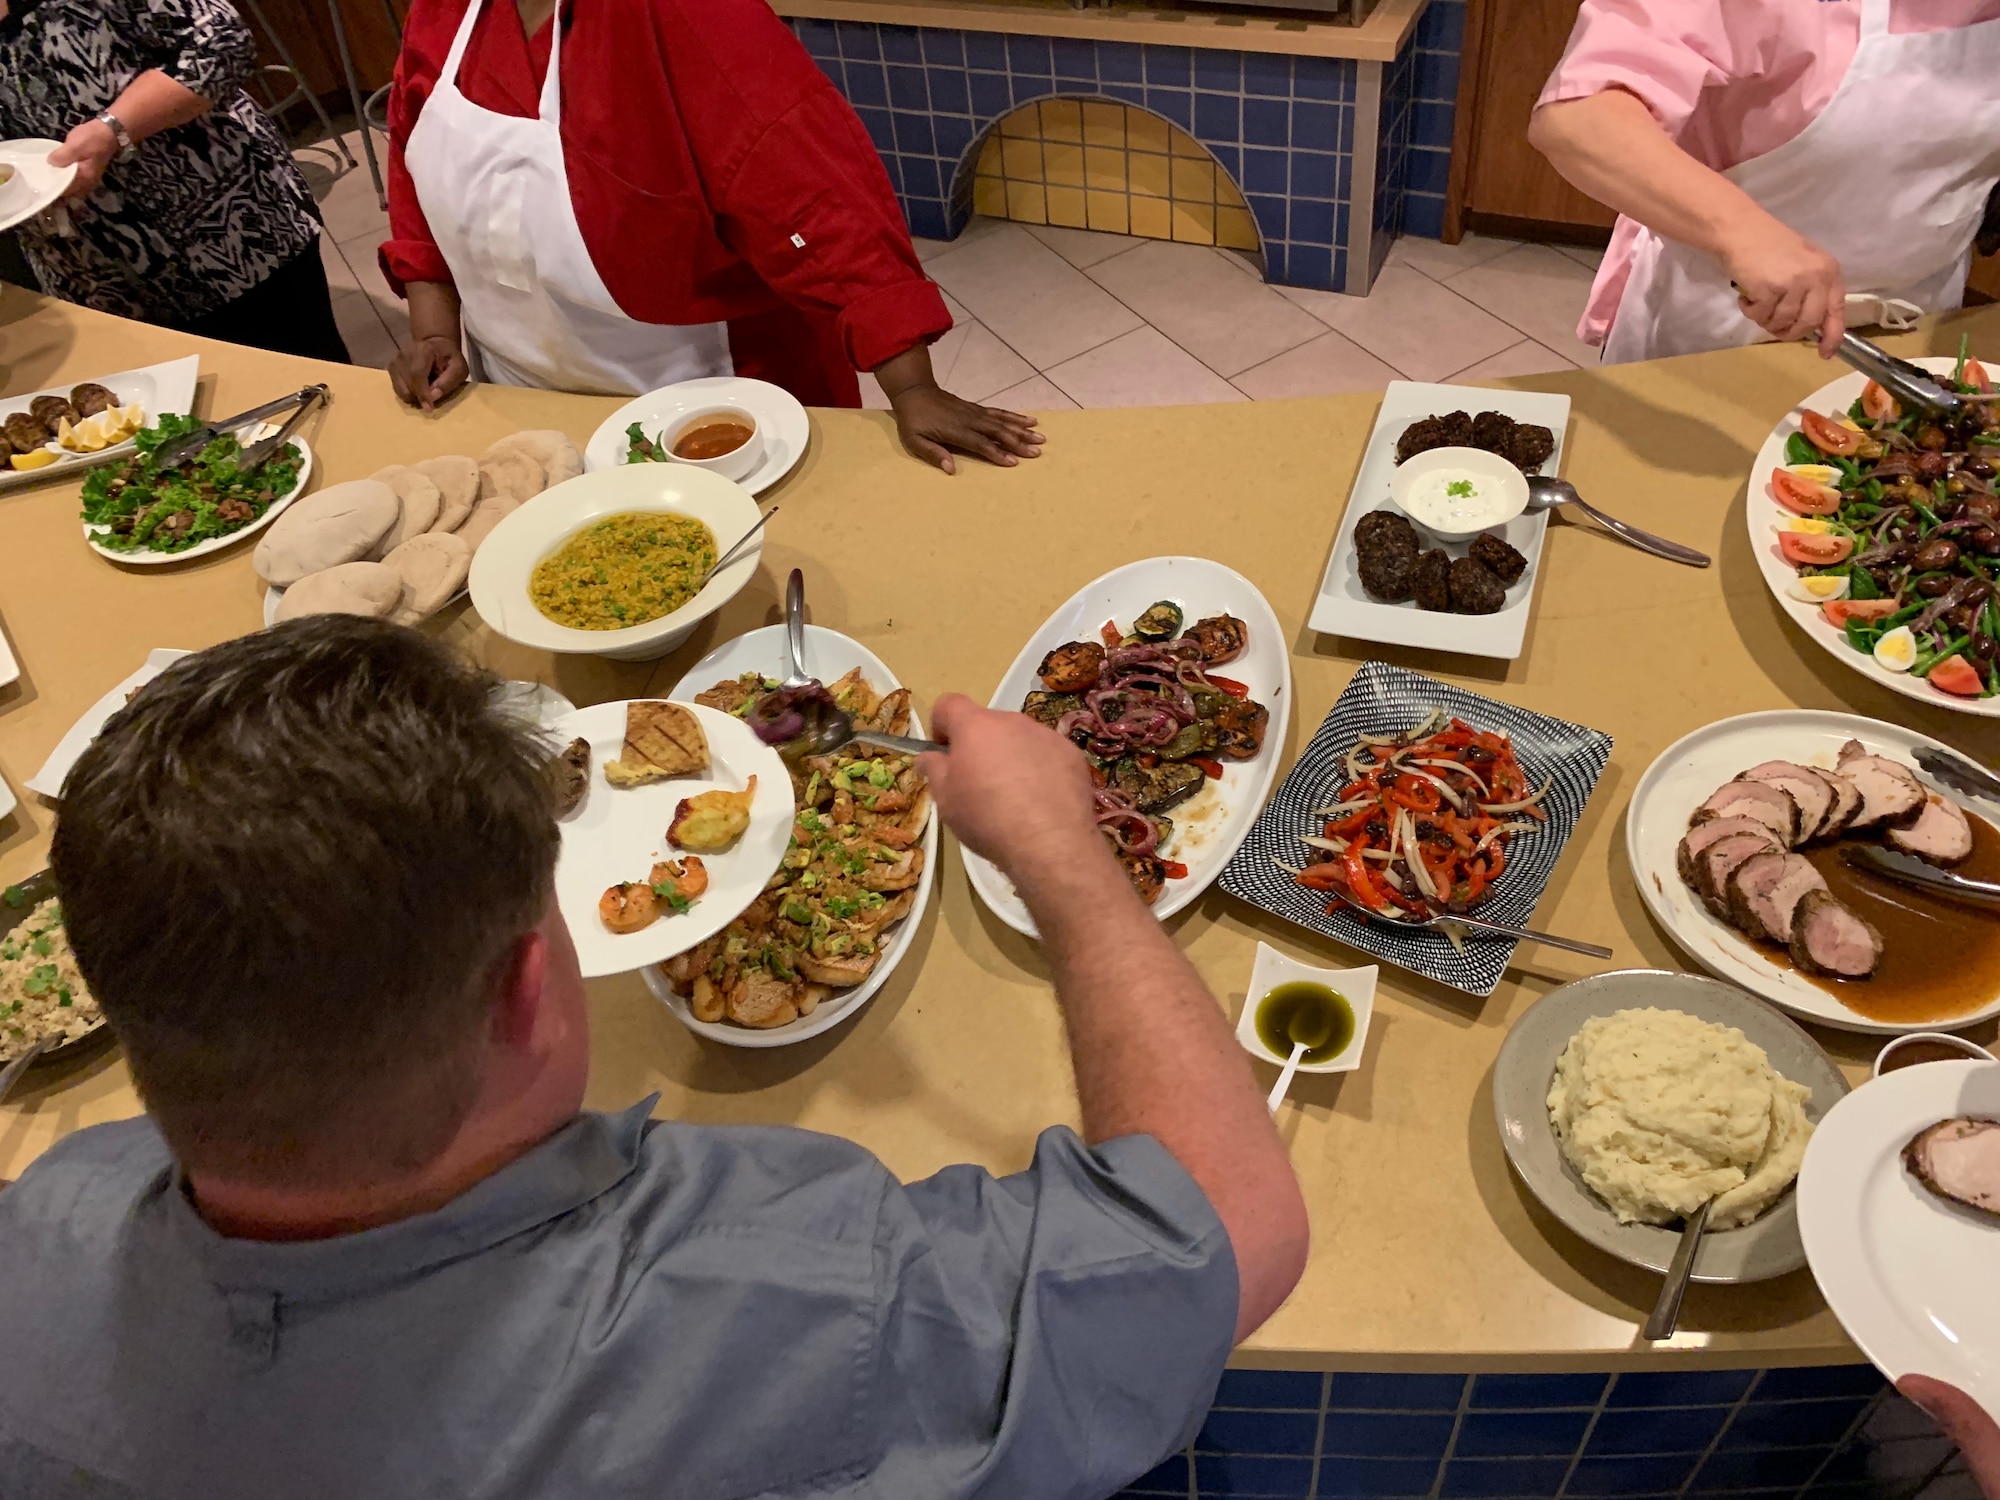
pixel 201 498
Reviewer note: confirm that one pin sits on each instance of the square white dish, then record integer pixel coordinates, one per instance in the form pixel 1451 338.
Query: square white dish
pixel 1342 606
pixel 167 387
pixel 1272 969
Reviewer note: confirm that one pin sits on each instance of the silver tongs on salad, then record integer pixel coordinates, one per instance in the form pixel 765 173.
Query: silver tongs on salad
pixel 187 446
pixel 1912 385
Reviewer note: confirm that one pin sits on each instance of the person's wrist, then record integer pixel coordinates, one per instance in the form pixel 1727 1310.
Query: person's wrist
pixel 1052 856
pixel 99 139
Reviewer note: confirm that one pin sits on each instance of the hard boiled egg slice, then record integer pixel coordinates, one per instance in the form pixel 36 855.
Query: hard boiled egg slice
pixel 1819 588
pixel 1810 525
pixel 1897 650
pixel 1825 474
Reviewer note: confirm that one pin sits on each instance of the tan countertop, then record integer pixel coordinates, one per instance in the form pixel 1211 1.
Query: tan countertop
pixel 1426 1253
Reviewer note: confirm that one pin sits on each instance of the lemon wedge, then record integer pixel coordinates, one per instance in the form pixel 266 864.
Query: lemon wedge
pixel 38 458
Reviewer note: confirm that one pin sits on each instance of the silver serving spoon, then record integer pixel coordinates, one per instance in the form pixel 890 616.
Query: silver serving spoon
pixel 741 542
pixel 835 728
pixel 1478 924
pixel 1667 1311
pixel 12 1072
pixel 1545 493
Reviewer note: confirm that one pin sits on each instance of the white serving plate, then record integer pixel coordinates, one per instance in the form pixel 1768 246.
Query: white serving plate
pixel 35 185
pixel 1909 1276
pixel 1272 969
pixel 780 418
pixel 1761 514
pixel 1343 607
pixel 1682 779
pixel 246 436
pixel 506 560
pixel 829 655
pixel 10 669
pixel 167 387
pixel 618 834
pixel 1210 825
pixel 48 781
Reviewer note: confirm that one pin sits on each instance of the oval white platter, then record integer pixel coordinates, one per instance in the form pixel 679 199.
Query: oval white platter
pixel 786 427
pixel 1210 825
pixel 1763 515
pixel 1909 1276
pixel 619 832
pixel 1682 779
pixel 217 543
pixel 829 655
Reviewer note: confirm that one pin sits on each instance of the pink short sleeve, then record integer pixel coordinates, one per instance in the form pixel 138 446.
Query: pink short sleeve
pixel 1664 51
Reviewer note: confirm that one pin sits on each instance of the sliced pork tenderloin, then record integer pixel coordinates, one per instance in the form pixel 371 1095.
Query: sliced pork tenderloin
pixel 1704 836
pixel 1770 805
pixel 1959 1160
pixel 1764 891
pixel 1722 859
pixel 1805 786
pixel 1829 937
pixel 1891 795
pixel 1942 833
pixel 1846 803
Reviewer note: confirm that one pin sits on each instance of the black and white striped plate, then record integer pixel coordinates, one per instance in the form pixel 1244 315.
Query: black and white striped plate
pixel 1384 700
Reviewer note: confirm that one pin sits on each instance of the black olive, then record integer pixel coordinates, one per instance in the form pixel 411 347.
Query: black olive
pixel 1986 542
pixel 1983 647
pixel 1979 468
pixel 1936 555
pixel 1885 580
pixel 1935 585
pixel 1900 554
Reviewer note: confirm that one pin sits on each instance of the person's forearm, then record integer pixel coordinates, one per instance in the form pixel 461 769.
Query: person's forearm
pixel 910 370
pixel 1610 147
pixel 153 102
pixel 433 310
pixel 1154 1056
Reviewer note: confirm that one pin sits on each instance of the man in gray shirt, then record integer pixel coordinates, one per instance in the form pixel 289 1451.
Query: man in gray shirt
pixel 366 1245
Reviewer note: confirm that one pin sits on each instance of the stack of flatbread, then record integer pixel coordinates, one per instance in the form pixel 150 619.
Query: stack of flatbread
pixel 398 546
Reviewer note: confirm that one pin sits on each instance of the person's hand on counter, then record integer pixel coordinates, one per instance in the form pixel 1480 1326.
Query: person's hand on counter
pixel 1965 1422
pixel 934 424
pixel 431 364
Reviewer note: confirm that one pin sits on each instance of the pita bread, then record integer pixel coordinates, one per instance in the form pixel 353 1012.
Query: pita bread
pixel 342 523
pixel 662 741
pixel 551 449
pixel 355 588
pixel 457 479
pixel 420 504
pixel 485 516
pixel 510 475
pixel 433 565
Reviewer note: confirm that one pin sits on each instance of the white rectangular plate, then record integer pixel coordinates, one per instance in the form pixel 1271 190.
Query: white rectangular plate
pixel 1343 606
pixel 157 388
pixel 49 780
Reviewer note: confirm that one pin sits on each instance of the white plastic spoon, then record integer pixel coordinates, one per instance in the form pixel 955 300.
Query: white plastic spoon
pixel 1299 1050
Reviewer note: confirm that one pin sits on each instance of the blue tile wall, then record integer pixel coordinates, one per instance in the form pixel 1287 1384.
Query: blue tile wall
pixel 1433 110
pixel 1823 1434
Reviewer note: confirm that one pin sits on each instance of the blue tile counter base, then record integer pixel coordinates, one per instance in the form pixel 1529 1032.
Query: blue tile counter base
pixel 1288 130
pixel 1836 1433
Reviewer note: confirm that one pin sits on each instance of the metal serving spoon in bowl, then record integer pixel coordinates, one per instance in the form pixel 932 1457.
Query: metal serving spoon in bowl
pixel 1545 493
pixel 1478 924
pixel 826 727
pixel 1667 1310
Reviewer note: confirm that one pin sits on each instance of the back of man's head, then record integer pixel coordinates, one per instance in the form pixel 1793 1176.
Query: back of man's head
pixel 293 870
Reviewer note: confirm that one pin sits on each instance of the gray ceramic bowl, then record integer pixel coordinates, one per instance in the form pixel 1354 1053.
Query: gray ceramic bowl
pixel 1768 1246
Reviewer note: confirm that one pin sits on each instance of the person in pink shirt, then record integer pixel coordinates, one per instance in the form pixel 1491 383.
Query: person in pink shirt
pixel 1773 160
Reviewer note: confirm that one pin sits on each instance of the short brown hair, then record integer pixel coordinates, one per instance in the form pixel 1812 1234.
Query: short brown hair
pixel 292 869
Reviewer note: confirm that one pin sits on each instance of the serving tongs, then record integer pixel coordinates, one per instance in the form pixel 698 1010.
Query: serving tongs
pixel 1907 869
pixel 1960 774
pixel 183 448
pixel 1912 385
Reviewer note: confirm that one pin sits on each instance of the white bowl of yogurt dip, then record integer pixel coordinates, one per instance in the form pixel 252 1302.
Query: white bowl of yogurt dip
pixel 1456 493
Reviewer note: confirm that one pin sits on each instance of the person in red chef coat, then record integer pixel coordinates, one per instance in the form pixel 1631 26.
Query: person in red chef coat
pixel 614 195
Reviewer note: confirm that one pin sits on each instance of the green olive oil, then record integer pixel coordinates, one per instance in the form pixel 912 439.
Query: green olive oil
pixel 1305 1011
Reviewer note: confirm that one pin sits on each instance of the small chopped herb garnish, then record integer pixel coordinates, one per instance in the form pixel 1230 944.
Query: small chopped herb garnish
pixel 1460 489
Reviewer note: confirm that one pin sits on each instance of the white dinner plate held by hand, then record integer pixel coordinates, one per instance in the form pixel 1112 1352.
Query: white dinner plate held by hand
pixel 34 185
pixel 1211 824
pixel 782 421
pixel 1909 1275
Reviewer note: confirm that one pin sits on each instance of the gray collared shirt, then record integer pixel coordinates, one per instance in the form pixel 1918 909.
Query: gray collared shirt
pixel 634 1308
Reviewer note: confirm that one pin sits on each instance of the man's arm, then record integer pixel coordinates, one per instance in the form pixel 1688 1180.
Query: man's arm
pixel 1610 146
pixel 1152 1052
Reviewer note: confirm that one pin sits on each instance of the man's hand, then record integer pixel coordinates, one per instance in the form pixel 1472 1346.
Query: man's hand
pixel 1011 789
pixel 427 370
pixel 1965 1422
pixel 1789 286
pixel 933 423
pixel 90 146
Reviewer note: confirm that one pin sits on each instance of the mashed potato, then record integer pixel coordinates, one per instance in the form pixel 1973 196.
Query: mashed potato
pixel 1660 1111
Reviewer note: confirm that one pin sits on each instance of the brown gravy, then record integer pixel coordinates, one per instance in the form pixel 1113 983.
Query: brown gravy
pixel 1939 958
pixel 711 440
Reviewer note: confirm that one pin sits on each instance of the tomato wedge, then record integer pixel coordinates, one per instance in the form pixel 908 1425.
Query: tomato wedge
pixel 1829 436
pixel 1805 550
pixel 1879 404
pixel 1976 376
pixel 1212 769
pixel 1839 611
pixel 1803 497
pixel 1957 676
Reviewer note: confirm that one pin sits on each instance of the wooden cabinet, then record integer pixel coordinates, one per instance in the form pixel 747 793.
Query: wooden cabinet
pixel 1500 183
pixel 308 34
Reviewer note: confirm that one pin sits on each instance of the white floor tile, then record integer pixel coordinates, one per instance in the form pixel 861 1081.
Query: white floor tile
pixel 1191 294
pixel 1411 322
pixel 1540 291
pixel 1141 368
pixel 927 248
pixel 1584 255
pixel 976 229
pixel 339 276
pixel 1330 365
pixel 364 266
pixel 1033 395
pixel 349 206
pixel 1084 248
pixel 1438 260
pixel 981 364
pixel 1039 304
pixel 1525 358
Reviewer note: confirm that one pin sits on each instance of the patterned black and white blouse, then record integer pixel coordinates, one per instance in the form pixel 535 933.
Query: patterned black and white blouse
pixel 203 212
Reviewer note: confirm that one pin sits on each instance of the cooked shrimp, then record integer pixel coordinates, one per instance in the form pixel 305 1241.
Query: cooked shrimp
pixel 687 878
pixel 628 906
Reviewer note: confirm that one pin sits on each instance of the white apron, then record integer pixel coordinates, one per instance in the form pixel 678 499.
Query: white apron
pixel 1890 178
pixel 536 313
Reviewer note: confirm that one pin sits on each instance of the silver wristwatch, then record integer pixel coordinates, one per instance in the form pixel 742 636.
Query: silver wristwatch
pixel 126 145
